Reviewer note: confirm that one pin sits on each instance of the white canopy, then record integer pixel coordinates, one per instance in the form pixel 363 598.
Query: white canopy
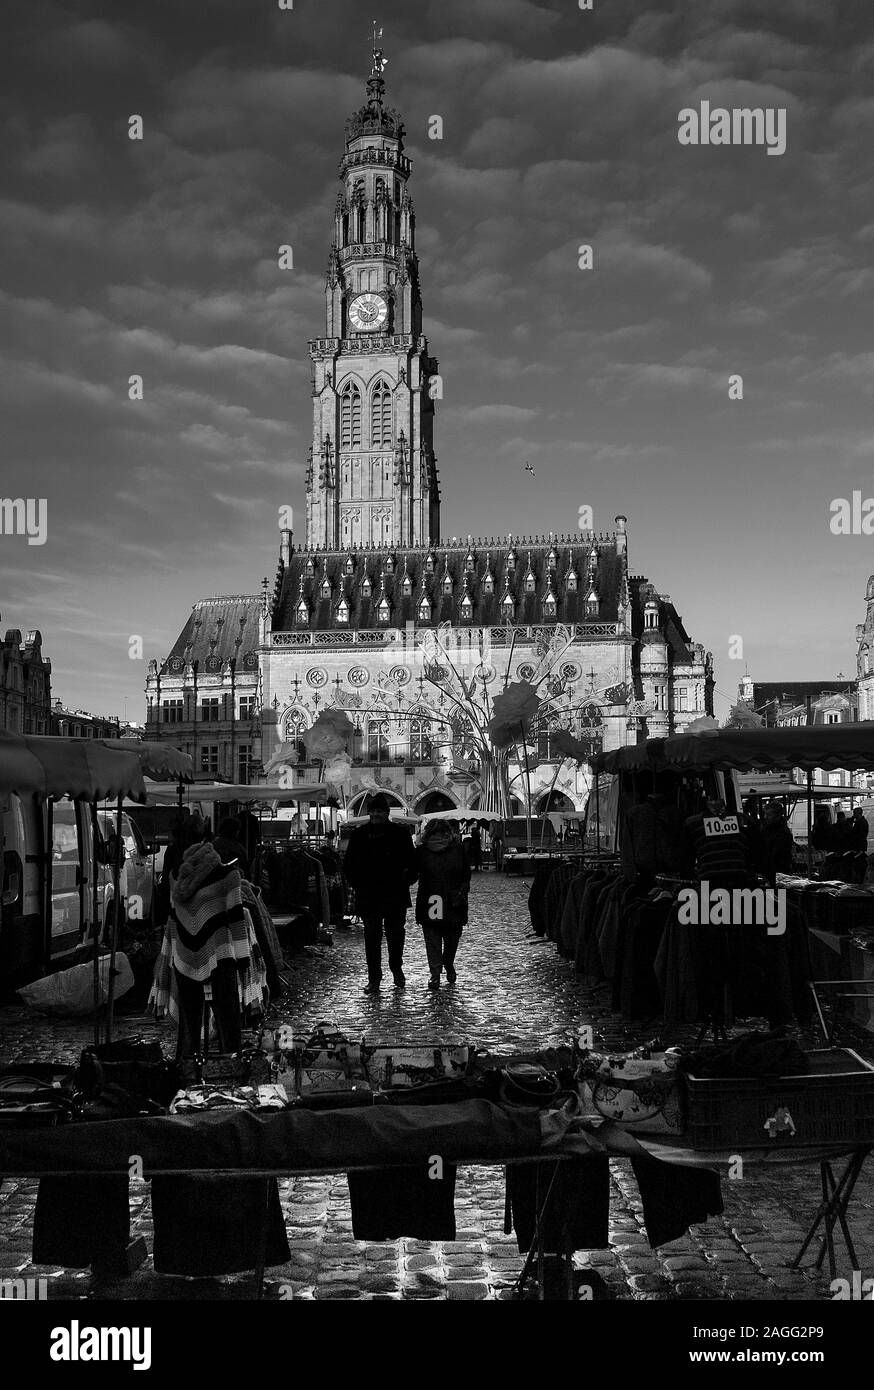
pixel 164 795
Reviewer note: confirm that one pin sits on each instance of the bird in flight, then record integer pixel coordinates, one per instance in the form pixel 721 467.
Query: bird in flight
pixel 529 469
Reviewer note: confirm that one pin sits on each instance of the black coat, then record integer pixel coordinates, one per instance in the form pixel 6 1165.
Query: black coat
pixel 380 864
pixel 445 875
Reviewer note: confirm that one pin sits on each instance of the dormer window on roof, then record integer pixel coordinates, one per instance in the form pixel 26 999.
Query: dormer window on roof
pixel 325 587
pixel 530 580
pixel 406 585
pixel 466 605
pixel 310 567
pixel 508 604
pixel 302 612
pixel 425 608
pixel 342 614
pixel 447 577
pixel 383 610
pixel 389 566
pixel 511 560
pixel 572 579
pixel 488 577
pixel 350 565
pixel 366 586
pixel 470 560
pixel 429 562
pixel 551 558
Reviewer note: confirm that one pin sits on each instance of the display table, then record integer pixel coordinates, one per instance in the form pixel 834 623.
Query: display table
pixel 837 1191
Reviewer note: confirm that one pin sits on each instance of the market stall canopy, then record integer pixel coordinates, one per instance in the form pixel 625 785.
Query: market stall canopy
pixel 830 747
pixel 156 759
pixel 165 795
pixel 83 768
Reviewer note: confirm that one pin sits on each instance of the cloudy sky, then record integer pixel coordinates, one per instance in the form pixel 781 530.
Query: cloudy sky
pixel 159 257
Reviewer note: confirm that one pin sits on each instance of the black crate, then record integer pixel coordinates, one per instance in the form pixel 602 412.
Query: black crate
pixel 832 1103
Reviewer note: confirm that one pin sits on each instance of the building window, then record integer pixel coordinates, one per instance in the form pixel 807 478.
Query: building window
pixel 302 613
pixel 248 705
pixel 429 564
pixel 421 748
pixel 507 606
pixel 350 417
pixel 380 417
pixel 342 611
pixel 488 585
pixel 325 589
pixel 467 608
pixel 209 758
pixel 833 717
pixel 650 618
pixel 246 763
pixel 407 586
pixel 447 584
pixel 377 741
pixel 682 698
pixel 425 610
pixel 211 710
pixel 172 711
pixel 549 606
pixel 366 587
pixel 383 611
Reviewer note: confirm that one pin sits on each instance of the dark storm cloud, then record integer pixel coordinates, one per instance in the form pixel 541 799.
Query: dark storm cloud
pixel 159 258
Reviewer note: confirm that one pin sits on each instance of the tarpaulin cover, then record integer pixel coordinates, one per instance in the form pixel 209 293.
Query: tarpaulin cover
pixel 830 746
pixel 157 759
pixel 240 791
pixel 332 1140
pixel 86 769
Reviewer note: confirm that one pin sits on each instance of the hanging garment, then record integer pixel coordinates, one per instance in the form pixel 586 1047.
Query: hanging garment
pixel 211 1226
pixel 393 1203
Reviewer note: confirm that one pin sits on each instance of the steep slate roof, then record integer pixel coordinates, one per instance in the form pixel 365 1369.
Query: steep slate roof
pixel 793 692
pixel 215 629
pixel 570 606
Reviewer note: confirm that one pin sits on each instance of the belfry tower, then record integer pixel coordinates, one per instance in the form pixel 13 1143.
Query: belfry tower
pixel 372 475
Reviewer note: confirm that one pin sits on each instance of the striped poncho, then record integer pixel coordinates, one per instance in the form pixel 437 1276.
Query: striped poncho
pixel 208 923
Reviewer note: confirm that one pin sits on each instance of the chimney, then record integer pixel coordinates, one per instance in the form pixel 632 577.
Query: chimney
pixel 285 546
pixel 621 536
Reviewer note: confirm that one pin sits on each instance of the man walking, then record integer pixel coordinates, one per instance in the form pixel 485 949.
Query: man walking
pixel 380 865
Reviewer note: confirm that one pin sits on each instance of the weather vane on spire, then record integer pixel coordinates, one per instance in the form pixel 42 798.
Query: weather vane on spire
pixel 379 60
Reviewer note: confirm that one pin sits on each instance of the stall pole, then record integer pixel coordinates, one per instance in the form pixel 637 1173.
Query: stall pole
pixel 116 890
pixel 597 813
pixel 528 790
pixel 809 824
pixel 95 921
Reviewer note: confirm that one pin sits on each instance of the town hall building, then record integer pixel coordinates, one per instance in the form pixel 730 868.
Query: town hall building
pixel 354 597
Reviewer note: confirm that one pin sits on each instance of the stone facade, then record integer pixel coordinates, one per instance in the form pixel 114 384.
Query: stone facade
pixel 25 684
pixel 351 607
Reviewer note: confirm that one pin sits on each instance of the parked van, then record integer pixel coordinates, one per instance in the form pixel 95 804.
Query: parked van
pixel 47 919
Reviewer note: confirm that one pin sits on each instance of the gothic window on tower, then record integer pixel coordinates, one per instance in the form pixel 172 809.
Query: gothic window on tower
pixel 350 416
pixel 380 416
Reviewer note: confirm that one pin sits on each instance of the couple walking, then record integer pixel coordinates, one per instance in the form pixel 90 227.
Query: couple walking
pixel 381 865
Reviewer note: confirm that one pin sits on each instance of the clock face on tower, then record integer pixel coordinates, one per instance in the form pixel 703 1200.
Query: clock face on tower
pixel 368 312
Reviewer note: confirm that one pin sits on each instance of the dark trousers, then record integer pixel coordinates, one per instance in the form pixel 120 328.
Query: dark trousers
pixel 225 1007
pixel 390 920
pixel 441 944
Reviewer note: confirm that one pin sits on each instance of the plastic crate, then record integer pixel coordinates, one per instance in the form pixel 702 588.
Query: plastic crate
pixel 832 1103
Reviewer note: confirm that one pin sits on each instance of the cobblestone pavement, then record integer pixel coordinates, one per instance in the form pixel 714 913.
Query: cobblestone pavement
pixel 513 993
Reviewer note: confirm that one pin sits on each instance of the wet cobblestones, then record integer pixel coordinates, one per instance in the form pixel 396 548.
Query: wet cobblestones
pixel 513 994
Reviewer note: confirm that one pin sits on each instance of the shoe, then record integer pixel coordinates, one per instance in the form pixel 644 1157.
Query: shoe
pixel 400 979
pixel 434 982
pixel 451 976
pixel 372 987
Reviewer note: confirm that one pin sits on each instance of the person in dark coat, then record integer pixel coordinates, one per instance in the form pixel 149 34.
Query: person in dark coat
pixel 441 901
pixel 776 844
pixel 229 846
pixel 859 830
pixel 380 865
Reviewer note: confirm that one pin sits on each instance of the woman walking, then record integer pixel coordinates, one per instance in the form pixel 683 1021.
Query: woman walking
pixel 441 900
